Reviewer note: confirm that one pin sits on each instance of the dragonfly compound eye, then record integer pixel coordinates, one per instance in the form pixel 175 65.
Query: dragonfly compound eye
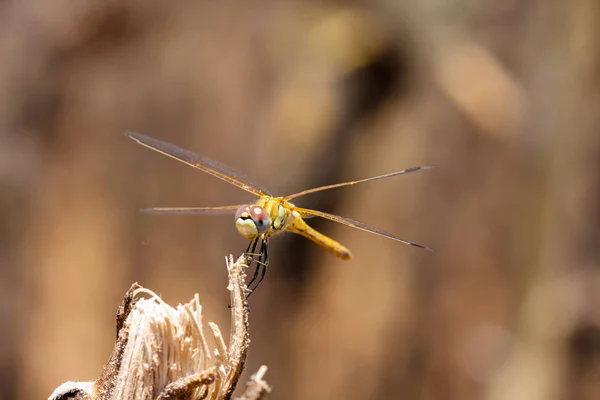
pixel 252 221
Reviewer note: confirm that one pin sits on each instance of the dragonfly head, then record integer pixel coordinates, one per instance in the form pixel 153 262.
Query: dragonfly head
pixel 252 221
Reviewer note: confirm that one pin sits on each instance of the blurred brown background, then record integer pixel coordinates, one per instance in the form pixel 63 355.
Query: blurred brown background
pixel 503 96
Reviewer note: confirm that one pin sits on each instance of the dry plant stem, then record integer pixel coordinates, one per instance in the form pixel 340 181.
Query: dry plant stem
pixel 162 353
pixel 239 338
pixel 257 388
pixel 179 390
pixel 106 383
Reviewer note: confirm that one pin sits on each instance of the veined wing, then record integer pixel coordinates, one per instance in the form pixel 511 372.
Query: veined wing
pixel 202 163
pixel 192 210
pixel 357 224
pixel 335 185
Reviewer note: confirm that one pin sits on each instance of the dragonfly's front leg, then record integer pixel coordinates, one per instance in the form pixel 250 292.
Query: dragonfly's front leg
pixel 264 250
pixel 250 252
pixel 261 261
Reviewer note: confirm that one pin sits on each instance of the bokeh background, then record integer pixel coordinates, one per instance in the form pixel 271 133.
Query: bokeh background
pixel 502 95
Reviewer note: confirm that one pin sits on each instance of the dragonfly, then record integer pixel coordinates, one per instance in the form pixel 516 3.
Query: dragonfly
pixel 269 215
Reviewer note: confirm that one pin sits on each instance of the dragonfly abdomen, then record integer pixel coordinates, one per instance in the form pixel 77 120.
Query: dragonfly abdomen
pixel 298 225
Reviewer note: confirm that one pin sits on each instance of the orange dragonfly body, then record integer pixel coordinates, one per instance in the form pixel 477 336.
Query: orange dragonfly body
pixel 269 215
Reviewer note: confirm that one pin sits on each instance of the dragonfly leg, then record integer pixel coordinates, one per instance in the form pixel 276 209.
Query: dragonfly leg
pixel 264 250
pixel 261 265
pixel 250 251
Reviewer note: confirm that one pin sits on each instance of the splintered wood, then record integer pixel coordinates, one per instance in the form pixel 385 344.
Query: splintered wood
pixel 162 352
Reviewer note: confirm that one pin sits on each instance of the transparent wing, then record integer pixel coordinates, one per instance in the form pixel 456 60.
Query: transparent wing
pixel 202 163
pixel 356 224
pixel 336 185
pixel 192 210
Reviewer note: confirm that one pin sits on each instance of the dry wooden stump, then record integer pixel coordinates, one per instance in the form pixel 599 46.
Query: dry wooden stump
pixel 162 353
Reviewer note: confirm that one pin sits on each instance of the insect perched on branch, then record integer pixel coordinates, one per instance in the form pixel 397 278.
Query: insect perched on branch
pixel 269 215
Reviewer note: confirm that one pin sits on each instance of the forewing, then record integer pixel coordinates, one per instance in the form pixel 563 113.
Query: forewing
pixel 373 178
pixel 202 163
pixel 356 224
pixel 192 210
